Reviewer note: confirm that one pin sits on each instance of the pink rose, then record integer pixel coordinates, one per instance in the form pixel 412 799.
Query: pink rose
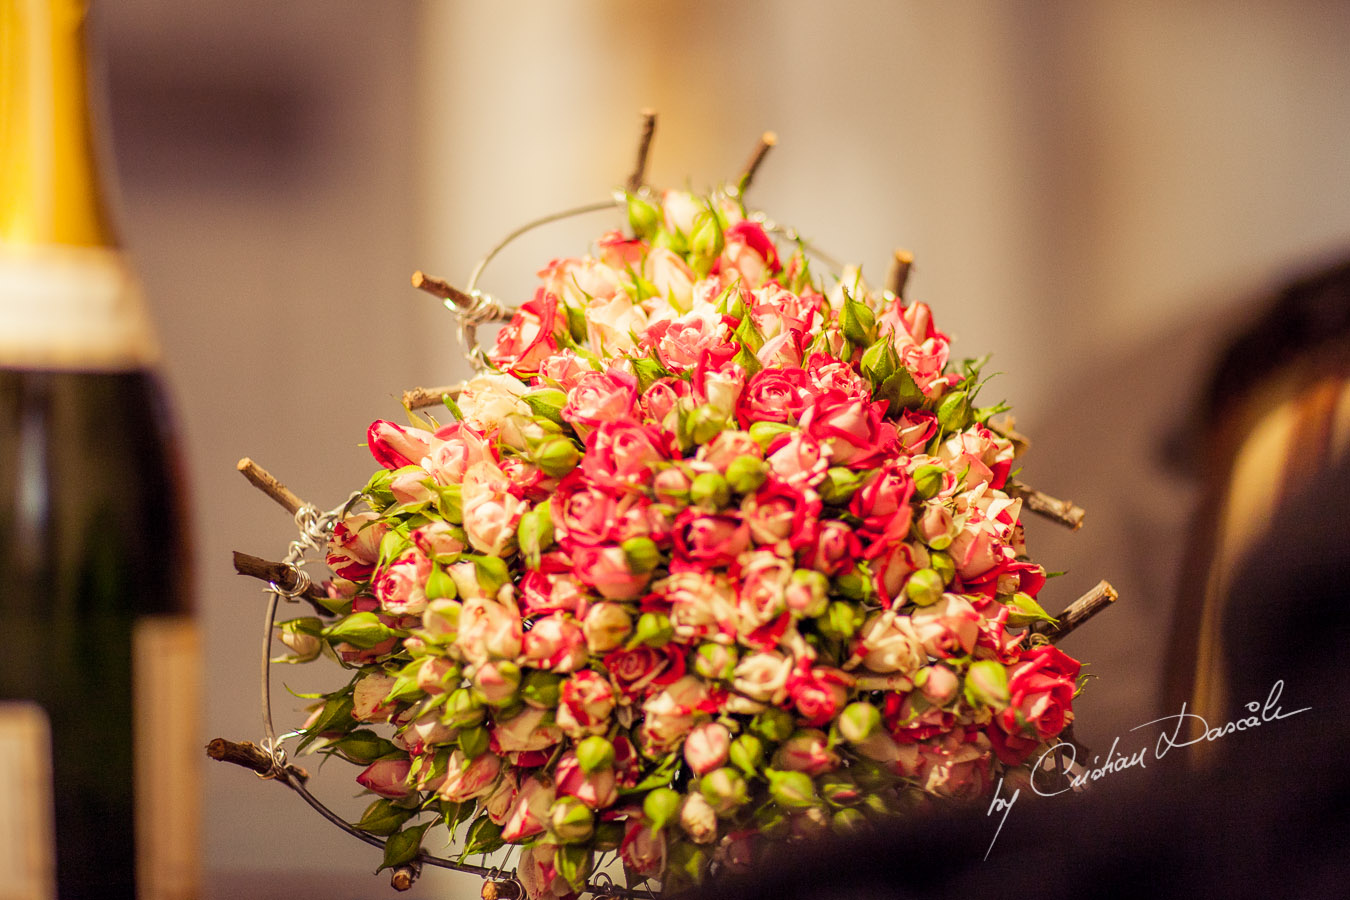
pixel 948 627
pixel 888 643
pixel 400 586
pixel 579 281
pixel 453 449
pixel 701 603
pixel 499 802
pixel 828 373
pixel 606 569
pixel 621 453
pixel 748 251
pixel 708 541
pixel 819 692
pixel 958 766
pixel 763 676
pixel 662 401
pixel 584 704
pixel 807 751
pixel 387 777
pixel 893 566
pixel 762 598
pixel 532 335
pixel 773 395
pixel 526 731
pixel 529 811
pixel 643 850
pixel 779 511
pixel 598 789
pixel 706 747
pixel 680 342
pixel 394 446
pixel 923 350
pixel 554 643
pixel 467 778
pixel 718 384
pixel 488 630
pixel 611 323
pixel 834 550
pixel 354 547
pixel 439 540
pixel 565 369
pixel 854 429
pixel 882 502
pixel 914 428
pixel 619 252
pixel 544 592
pixel 409 487
pixel 607 625
pixel 726 447
pixel 783 351
pixel 776 311
pixel 1040 690
pixel 670 275
pixel 600 398
pixel 669 714
pixel 798 459
pixel 368 697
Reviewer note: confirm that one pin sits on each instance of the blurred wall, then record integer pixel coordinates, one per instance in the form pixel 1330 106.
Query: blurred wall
pixel 1093 191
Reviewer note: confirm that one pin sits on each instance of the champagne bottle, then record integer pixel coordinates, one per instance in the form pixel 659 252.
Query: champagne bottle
pixel 99 657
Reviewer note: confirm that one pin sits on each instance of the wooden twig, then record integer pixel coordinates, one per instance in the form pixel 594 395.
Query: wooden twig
pixel 1005 427
pixel 439 287
pixel 264 481
pixel 901 263
pixel 767 140
pixel 420 397
pixel 250 756
pixel 500 890
pixel 1062 511
pixel 644 145
pixel 281 575
pixel 1078 612
pixel 403 877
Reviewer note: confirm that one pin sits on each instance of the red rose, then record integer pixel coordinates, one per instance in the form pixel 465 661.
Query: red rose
pixel 622 453
pixel 883 504
pixel 394 446
pixel 853 428
pixel 773 395
pixel 531 336
pixel 1040 703
pixel 819 693
pixel 706 541
pixel 635 671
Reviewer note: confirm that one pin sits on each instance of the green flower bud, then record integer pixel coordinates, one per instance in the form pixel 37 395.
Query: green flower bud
pixel 847 821
pixel 535 533
pixel 808 593
pixel 643 217
pixel 859 721
pixel 928 480
pixel 362 746
pixel 839 789
pixel 987 684
pixel 707 237
pixel 715 662
pixel 725 789
pixel 773 724
pixel 547 403
pixel 440 622
pixel 362 630
pixel 653 629
pixel 771 822
pixel 924 587
pixel 704 423
pixel 792 790
pixel 839 485
pixel 710 491
pixel 463 709
pixel 841 620
pixel 301 636
pixel 942 564
pixel 745 474
pixel 746 753
pixel 573 863
pixel 383 818
pixel 641 554
pixel 440 586
pixel 595 753
pixel 570 820
pixel 856 585
pixel 557 456
pixel 661 806
pixel 492 573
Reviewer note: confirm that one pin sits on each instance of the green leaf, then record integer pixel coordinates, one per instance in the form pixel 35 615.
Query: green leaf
pixel 902 392
pixel 405 685
pixel 451 405
pixel 576 323
pixel 485 836
pixel 648 372
pixel 404 846
pixel 573 862
pixel 1026 610
pixel 548 403
pixel 383 818
pixel 363 746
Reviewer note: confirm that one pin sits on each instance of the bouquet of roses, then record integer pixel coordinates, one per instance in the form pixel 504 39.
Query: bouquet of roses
pixel 712 553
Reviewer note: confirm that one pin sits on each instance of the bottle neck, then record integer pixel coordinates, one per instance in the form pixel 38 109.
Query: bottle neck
pixel 50 191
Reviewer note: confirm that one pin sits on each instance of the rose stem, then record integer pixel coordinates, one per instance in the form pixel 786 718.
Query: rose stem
pixel 438 287
pixel 264 481
pixel 1079 611
pixel 644 145
pixel 280 574
pixel 420 398
pixel 1062 511
pixel 766 142
pixel 901 262
pixel 248 755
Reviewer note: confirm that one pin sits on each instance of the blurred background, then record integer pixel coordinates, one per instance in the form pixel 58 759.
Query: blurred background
pixel 1095 194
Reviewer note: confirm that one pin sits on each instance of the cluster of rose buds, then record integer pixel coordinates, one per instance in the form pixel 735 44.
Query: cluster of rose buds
pixel 713 557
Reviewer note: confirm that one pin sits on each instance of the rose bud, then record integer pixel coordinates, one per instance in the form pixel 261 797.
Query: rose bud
pixel 474 741
pixel 746 474
pixel 660 806
pixel 698 819
pixel 437 675
pixel 598 789
pixel 496 682
pixel 710 491
pixel 299 636
pixel 715 662
pixel 440 621
pixel 641 554
pixel 726 789
pixel 704 423
pixel 541 689
pixel 806 751
pixel 528 812
pixel 463 710
pixel 706 746
pixel 368 696
pixel 672 485
pixel 938 683
pixel 793 790
pixel 859 721
pixel 746 753
pixel 557 456
pixel 924 587
pixel 595 753
pixel 807 593
pixel 607 625
pixel 534 534
pixel 928 480
pixel 654 630
pixel 942 564
pixel 839 789
pixel 643 217
pixel 839 485
pixel 765 433
pixel 387 777
pixel 841 620
pixel 987 684
pixel 570 820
